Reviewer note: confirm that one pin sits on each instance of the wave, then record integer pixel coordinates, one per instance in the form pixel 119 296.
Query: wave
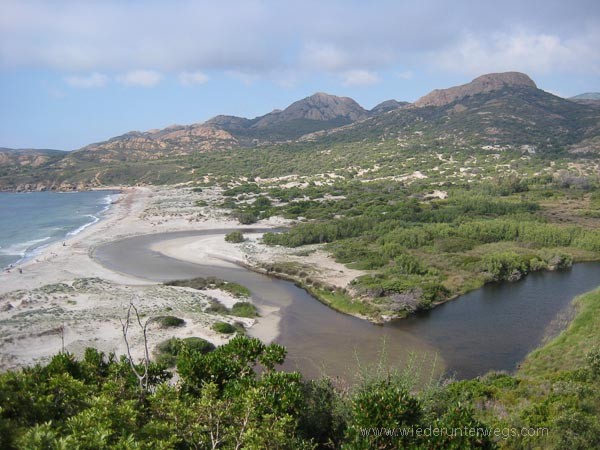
pixel 84 226
pixel 107 201
pixel 22 248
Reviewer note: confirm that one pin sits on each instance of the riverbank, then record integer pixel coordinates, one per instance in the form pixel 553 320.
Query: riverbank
pixel 63 298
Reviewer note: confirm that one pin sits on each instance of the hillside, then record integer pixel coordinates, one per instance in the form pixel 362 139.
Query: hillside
pixel 28 156
pixel 587 96
pixel 495 112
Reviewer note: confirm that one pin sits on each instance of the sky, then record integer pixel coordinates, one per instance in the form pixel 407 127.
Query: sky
pixel 77 72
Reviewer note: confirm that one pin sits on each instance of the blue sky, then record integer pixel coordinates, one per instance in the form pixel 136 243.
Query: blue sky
pixel 72 73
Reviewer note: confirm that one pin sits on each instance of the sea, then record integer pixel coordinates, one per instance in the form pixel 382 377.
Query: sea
pixel 29 222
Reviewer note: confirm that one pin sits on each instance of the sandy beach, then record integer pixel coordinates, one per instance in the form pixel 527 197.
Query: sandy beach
pixel 65 298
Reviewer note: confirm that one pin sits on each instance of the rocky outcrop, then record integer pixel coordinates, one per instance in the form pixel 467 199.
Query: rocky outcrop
pixel 483 84
pixel 174 140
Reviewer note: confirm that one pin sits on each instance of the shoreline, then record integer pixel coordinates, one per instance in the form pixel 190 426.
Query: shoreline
pixel 97 217
pixel 65 285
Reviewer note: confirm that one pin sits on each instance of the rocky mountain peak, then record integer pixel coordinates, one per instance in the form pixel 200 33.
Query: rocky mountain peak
pixel 485 83
pixel 318 107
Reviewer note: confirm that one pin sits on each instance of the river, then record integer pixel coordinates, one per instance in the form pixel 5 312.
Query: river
pixel 492 328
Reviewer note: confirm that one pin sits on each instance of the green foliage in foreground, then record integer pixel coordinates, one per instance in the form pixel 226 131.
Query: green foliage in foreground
pixel 219 402
pixel 167 351
pixel 235 289
pixel 234 397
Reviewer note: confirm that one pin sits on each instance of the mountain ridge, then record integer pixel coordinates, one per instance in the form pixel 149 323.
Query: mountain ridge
pixel 493 112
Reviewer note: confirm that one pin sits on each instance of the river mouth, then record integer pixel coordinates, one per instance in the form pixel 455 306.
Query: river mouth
pixel 492 328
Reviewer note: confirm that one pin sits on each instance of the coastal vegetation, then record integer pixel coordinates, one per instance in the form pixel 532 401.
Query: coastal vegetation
pixel 234 396
pixel 419 250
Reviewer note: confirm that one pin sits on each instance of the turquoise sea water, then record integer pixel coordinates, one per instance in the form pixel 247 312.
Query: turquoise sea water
pixel 31 221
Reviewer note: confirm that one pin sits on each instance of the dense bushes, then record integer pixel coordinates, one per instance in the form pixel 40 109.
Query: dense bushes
pixel 167 351
pixel 235 395
pixel 232 394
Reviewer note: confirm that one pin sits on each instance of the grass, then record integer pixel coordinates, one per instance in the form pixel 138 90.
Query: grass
pixel 569 349
pixel 340 302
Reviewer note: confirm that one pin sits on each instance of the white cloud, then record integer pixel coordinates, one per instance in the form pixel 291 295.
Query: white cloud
pixel 263 37
pixel 142 78
pixel 521 50
pixel 93 80
pixel 359 77
pixel 191 78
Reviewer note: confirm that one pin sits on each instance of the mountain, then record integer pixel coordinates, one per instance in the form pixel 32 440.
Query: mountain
pixel 318 112
pixel 494 112
pixel 388 105
pixel 587 96
pixel 28 156
pixel 481 85
pixel 505 110
pixel 175 140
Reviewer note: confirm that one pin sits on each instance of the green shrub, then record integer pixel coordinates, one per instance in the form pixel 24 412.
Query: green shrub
pixel 235 237
pixel 167 351
pixel 244 309
pixel 217 307
pixel 245 217
pixel 235 289
pixel 169 321
pixel 224 327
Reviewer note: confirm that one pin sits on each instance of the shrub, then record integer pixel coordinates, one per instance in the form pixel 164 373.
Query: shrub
pixel 245 217
pixel 244 309
pixel 167 351
pixel 235 237
pixel 216 307
pixel 169 321
pixel 224 327
pixel 235 289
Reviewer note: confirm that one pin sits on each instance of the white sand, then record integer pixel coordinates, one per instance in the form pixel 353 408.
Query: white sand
pixel 50 293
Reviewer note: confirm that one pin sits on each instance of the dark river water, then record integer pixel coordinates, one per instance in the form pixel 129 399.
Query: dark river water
pixel 492 328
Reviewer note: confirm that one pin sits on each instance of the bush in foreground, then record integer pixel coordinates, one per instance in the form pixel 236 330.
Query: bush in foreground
pixel 167 351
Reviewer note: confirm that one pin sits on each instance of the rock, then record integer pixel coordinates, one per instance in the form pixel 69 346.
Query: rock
pixel 485 83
